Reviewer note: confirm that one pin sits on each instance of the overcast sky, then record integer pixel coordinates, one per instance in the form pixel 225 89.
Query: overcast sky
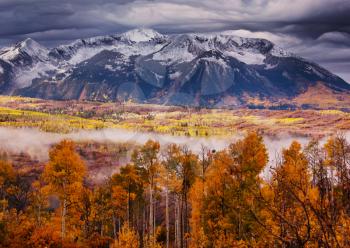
pixel 318 30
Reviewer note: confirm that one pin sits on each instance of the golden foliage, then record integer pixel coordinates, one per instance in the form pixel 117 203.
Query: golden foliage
pixel 127 238
pixel 304 203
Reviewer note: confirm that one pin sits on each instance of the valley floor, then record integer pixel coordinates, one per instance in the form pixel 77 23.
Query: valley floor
pixel 71 116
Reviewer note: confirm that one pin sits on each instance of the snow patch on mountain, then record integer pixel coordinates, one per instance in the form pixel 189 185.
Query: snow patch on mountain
pixel 141 35
pixel 174 55
pixel 247 57
pixel 270 66
pixel 175 75
pixel 170 49
pixel 279 52
pixel 85 53
pixel 225 37
pixel 184 48
pixel 24 77
pixel 111 68
pixel 219 61
pixel 138 49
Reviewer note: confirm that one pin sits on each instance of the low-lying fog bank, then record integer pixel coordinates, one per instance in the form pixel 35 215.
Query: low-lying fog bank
pixel 37 143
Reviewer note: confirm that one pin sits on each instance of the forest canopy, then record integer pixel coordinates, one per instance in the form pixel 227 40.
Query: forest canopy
pixel 172 197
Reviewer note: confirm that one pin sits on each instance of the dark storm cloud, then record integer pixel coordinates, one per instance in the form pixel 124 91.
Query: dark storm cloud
pixel 302 18
pixel 318 30
pixel 53 21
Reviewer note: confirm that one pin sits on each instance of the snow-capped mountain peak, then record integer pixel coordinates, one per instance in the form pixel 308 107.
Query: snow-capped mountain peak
pixel 141 35
pixel 186 47
pixel 27 47
pixel 33 48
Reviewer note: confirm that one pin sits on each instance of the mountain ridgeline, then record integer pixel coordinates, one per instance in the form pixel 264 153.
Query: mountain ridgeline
pixel 142 65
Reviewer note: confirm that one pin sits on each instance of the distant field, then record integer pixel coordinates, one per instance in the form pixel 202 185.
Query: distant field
pixel 70 116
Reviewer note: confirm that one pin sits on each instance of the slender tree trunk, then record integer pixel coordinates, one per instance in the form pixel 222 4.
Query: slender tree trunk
pixel 128 208
pixel 114 227
pixel 3 205
pixel 39 215
pixel 332 187
pixel 186 220
pixel 239 209
pixel 181 215
pixel 63 218
pixel 176 223
pixel 143 222
pixel 154 221
pixel 150 208
pixel 167 213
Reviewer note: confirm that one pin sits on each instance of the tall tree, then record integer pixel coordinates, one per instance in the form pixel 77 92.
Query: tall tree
pixel 172 184
pixel 338 158
pixel 290 194
pixel 64 174
pixel 147 159
pixel 130 180
pixel 249 158
pixel 228 195
pixel 186 171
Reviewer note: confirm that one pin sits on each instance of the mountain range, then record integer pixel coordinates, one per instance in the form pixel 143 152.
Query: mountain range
pixel 142 65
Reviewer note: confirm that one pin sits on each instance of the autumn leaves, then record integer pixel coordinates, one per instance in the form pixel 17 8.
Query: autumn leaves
pixel 171 197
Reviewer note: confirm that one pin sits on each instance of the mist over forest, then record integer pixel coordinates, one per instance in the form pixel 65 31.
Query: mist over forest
pixel 37 143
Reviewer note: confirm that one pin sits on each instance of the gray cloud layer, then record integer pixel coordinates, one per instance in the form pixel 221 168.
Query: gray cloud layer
pixel 316 29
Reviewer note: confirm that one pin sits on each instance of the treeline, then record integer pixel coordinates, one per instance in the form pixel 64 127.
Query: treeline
pixel 171 197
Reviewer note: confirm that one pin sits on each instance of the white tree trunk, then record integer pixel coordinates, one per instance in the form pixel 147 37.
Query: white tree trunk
pixel 178 222
pixel 176 225
pixel 150 209
pixel 167 213
pixel 128 209
pixel 63 218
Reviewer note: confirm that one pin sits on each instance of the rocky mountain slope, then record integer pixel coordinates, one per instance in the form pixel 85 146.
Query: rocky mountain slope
pixel 211 69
